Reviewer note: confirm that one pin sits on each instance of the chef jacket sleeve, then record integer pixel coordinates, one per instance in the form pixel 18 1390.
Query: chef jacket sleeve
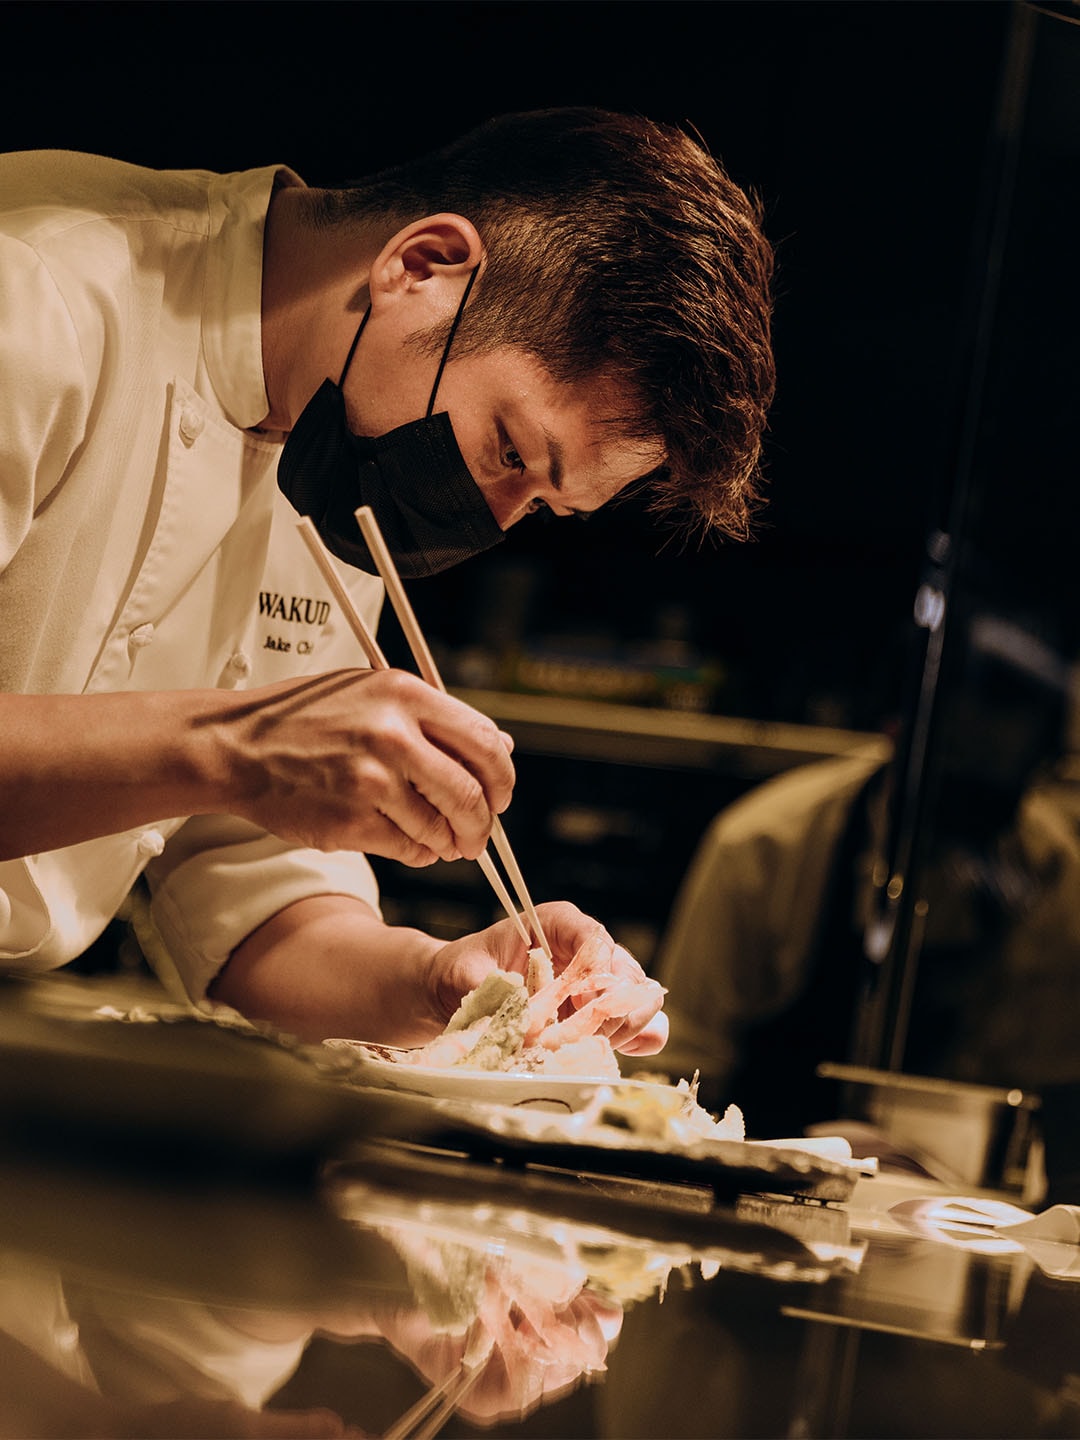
pixel 155 1349
pixel 219 878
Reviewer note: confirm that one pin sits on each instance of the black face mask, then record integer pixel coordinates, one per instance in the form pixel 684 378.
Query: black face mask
pixel 430 510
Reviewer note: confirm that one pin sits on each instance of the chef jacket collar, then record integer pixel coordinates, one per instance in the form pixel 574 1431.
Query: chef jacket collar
pixel 232 308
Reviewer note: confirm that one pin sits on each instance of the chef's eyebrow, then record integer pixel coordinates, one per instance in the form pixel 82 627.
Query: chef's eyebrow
pixel 556 470
pixel 556 462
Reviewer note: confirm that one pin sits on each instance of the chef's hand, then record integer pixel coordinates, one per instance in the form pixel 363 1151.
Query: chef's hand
pixel 462 964
pixel 542 1352
pixel 397 985
pixel 528 1349
pixel 371 760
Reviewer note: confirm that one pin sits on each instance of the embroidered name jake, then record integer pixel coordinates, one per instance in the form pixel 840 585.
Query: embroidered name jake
pixel 291 610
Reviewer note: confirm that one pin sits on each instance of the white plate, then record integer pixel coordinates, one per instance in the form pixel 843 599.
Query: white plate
pixel 561 1093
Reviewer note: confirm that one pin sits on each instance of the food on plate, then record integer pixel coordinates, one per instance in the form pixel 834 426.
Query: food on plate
pixel 601 995
pixel 540 972
pixel 530 1024
pixel 516 1025
pixel 552 1025
pixel 662 1112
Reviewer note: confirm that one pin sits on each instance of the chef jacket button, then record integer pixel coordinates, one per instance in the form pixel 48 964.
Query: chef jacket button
pixel 140 637
pixel 66 1337
pixel 240 663
pixel 150 842
pixel 191 426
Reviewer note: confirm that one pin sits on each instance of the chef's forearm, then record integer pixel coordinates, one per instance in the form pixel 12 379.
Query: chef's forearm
pixel 75 767
pixel 328 966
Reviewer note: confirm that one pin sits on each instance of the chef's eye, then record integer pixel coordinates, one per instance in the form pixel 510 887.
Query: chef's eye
pixel 512 460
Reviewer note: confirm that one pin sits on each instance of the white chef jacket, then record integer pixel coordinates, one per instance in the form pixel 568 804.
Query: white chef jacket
pixel 144 544
pixel 138 1349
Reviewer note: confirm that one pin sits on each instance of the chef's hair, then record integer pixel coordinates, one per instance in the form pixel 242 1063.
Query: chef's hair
pixel 616 249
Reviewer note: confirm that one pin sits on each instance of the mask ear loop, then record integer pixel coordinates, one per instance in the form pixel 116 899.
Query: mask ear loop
pixel 450 341
pixel 352 347
pixel 446 347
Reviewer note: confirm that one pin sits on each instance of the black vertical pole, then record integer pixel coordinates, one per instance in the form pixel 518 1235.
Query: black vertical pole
pixel 893 934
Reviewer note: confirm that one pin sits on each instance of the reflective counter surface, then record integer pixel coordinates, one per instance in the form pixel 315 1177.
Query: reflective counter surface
pixel 170 1268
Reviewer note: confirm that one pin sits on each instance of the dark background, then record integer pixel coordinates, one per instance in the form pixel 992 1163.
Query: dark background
pixel 873 133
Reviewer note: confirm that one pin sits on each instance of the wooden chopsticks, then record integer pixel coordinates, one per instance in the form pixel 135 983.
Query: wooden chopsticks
pixel 430 1413
pixel 426 1418
pixel 369 528
pixel 422 654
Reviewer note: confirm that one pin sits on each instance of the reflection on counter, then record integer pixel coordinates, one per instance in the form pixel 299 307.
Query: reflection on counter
pixel 177 1290
pixel 563 1328
pixel 109 1328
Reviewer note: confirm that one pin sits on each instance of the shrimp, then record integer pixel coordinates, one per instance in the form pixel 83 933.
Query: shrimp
pixel 589 969
pixel 499 1024
pixel 613 1003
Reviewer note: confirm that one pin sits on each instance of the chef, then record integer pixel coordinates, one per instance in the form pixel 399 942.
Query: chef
pixel 190 360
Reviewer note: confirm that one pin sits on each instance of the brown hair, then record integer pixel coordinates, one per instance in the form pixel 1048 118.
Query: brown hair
pixel 616 249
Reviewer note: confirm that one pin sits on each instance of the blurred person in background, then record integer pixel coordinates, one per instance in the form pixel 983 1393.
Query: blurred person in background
pixel 767 951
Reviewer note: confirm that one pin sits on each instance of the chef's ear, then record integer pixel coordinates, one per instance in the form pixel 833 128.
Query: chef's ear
pixel 424 259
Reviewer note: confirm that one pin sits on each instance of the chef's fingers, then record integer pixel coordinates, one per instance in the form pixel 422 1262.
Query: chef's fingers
pixel 465 962
pixel 474 741
pixel 566 927
pixel 331 759
pixel 442 750
pixel 434 809
pixel 606 1314
pixel 413 832
pixel 640 1002
pixel 398 826
pixel 442 805
pixel 625 966
pixel 644 1029
pixel 650 1039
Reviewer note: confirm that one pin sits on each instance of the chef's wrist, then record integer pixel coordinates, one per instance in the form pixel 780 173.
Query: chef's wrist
pixel 327 965
pixel 223 767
